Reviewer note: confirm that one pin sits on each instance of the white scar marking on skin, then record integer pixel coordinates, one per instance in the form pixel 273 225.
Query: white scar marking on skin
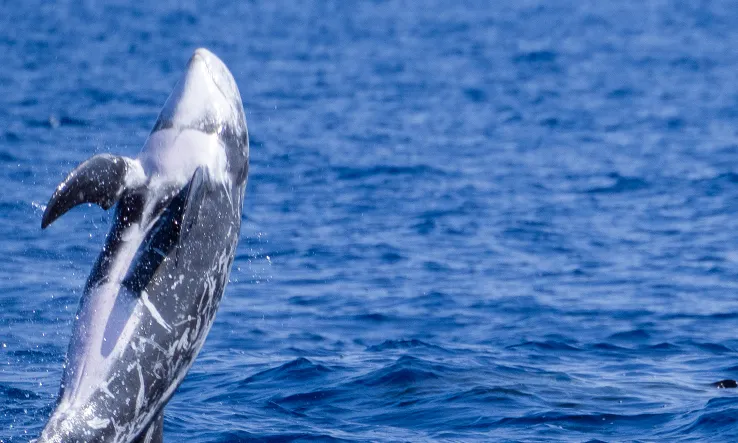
pixel 98 423
pixel 152 343
pixel 154 313
pixel 141 391
pixel 177 282
pixel 227 188
pixel 187 320
pixel 104 388
pixel 150 435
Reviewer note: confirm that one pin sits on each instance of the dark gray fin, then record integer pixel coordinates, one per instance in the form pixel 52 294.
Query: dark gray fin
pixel 154 433
pixel 191 211
pixel 172 228
pixel 100 180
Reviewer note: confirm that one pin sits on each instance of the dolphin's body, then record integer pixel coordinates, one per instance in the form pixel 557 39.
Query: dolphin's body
pixel 152 295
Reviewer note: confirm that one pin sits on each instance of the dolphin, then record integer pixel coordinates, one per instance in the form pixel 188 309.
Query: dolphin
pixel 153 292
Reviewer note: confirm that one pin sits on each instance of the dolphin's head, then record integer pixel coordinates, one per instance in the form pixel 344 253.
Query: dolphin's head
pixel 206 99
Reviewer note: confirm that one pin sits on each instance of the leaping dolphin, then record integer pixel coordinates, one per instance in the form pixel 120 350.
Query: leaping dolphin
pixel 152 295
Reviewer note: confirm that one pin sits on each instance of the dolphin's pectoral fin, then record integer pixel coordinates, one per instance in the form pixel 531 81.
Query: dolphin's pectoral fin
pixel 100 180
pixel 154 433
pixel 172 227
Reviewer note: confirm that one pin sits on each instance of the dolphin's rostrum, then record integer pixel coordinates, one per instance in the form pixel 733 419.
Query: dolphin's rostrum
pixel 152 295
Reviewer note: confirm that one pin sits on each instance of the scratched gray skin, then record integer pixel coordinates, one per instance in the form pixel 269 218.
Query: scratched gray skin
pixel 152 296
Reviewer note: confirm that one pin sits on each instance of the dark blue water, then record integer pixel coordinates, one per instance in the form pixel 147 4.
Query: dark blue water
pixel 464 221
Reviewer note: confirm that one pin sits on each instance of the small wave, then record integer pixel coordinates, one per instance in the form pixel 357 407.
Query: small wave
pixel 100 96
pixel 178 18
pixel 622 93
pixel 351 173
pixel 34 355
pixel 7 157
pixel 301 300
pixel 270 405
pixel 718 184
pixel 663 347
pixel 401 376
pixel 242 436
pixel 6 206
pixel 11 137
pixel 635 335
pixel 405 371
pixel 426 226
pixel 608 347
pixel 17 393
pixel 373 317
pixel 730 177
pixel 586 420
pixel 475 95
pixel 265 255
pixel 402 344
pixel 537 56
pixel 620 184
pixel 548 345
pixel 485 394
pixel 297 370
pixel 300 282
pixel 309 398
pixel 72 121
pixel 692 63
pixel 392 257
pixel 308 336
pixel 719 414
pixel 713 348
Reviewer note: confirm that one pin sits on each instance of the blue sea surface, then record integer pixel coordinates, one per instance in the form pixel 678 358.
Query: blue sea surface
pixel 465 221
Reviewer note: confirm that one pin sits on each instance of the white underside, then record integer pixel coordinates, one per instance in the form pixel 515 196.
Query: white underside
pixel 91 367
pixel 173 155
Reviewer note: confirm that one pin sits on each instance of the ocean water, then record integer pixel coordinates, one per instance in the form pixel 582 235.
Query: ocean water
pixel 465 221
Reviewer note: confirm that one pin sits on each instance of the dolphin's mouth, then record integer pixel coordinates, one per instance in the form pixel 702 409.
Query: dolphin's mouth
pixel 205 56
